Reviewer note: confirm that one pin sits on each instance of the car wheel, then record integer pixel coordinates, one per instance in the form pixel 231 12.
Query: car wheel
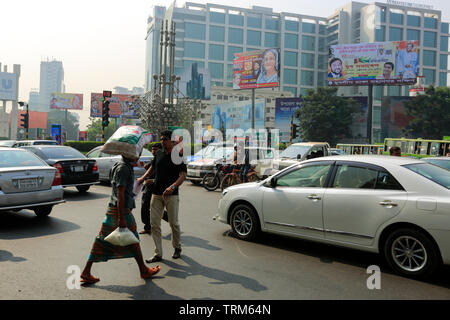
pixel 244 222
pixel 83 189
pixel 411 253
pixel 43 211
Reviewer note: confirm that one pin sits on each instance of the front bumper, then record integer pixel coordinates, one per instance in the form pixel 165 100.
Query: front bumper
pixel 197 174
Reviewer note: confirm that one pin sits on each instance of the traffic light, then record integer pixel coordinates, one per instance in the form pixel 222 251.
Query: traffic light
pixel 24 120
pixel 295 132
pixel 107 94
pixel 105 113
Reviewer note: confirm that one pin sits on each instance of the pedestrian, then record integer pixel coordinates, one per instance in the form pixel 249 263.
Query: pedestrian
pixel 147 195
pixel 395 151
pixel 118 214
pixel 168 178
pixel 246 167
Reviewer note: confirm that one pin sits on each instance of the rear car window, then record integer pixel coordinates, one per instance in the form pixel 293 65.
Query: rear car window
pixel 52 143
pixel 19 158
pixel 434 173
pixel 61 153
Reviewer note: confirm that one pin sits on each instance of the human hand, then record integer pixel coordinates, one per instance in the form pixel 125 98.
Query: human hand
pixel 167 192
pixel 149 181
pixel 140 180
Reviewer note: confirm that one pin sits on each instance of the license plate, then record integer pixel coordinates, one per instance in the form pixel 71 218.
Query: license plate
pixel 196 174
pixel 78 168
pixel 28 183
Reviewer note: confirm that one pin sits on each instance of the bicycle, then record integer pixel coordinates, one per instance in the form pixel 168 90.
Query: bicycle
pixel 234 177
pixel 211 180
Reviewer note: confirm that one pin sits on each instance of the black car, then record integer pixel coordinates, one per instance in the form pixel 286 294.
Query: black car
pixel 76 170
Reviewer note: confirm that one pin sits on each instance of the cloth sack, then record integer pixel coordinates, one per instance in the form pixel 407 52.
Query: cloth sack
pixel 122 237
pixel 127 141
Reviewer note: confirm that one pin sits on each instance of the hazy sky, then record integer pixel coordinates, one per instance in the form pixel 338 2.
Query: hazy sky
pixel 101 43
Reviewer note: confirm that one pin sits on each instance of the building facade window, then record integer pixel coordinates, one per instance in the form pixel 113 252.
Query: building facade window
pixel 429 75
pixel 442 79
pixel 444 43
pixel 217 33
pixel 395 34
pixel 229 72
pixel 194 30
pixel 380 33
pixel 194 50
pixel 217 17
pixel 308 43
pixel 188 63
pixel 216 70
pixel 235 36
pixel 290 41
pixel 290 25
pixel 236 20
pixel 443 62
pixel 322 79
pixel 429 39
pixel 322 29
pixel 412 34
pixel 216 52
pixel 396 16
pixel 323 45
pixel 430 23
pixel 323 62
pixel 253 38
pixel 271 40
pixel 290 76
pixel 413 21
pixel 394 90
pixel 429 58
pixel 291 89
pixel 380 15
pixel 308 27
pixel 307 77
pixel 254 22
pixel 290 59
pixel 308 60
pixel 444 27
pixel 272 24
pixel 232 50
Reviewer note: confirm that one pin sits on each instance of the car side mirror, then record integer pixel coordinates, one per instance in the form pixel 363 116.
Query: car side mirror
pixel 308 157
pixel 273 183
pixel 299 156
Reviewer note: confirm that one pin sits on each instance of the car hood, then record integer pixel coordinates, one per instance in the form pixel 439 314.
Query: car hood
pixel 203 162
pixel 244 186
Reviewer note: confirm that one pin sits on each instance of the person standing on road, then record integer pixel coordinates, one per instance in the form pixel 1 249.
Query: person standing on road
pixel 395 151
pixel 147 195
pixel 246 160
pixel 168 178
pixel 118 215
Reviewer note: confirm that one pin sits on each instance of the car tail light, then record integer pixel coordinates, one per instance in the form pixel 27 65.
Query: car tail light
pixel 59 167
pixel 95 168
pixel 135 164
pixel 141 163
pixel 57 179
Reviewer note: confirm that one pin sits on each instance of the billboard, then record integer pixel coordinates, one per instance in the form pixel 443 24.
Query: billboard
pixel 121 105
pixel 8 86
pixel 238 115
pixel 378 63
pixel 256 69
pixel 284 109
pixel 195 83
pixel 66 101
pixel 57 133
pixel 36 119
pixel 82 135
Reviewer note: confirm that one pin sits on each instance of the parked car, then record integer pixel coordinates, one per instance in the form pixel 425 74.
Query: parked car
pixel 76 170
pixel 206 151
pixel 297 152
pixel 443 162
pixel 106 161
pixel 336 152
pixel 396 206
pixel 7 143
pixel 196 170
pixel 23 143
pixel 27 182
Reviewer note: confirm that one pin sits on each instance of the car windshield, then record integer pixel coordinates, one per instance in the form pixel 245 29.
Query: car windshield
pixel 441 163
pixel 434 173
pixel 19 158
pixel 221 153
pixel 291 152
pixel 61 153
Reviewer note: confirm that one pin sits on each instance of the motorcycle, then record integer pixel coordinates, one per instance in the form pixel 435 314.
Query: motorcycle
pixel 211 181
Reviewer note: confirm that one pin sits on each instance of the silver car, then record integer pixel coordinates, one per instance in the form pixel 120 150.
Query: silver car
pixel 443 162
pixel 105 162
pixel 27 182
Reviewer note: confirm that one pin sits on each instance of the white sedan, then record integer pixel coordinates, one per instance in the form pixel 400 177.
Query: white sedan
pixel 396 206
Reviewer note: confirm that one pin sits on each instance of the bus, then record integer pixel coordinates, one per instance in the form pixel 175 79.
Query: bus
pixel 418 148
pixel 360 148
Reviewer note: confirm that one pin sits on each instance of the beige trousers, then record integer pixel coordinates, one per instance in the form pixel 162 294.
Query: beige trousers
pixel 171 203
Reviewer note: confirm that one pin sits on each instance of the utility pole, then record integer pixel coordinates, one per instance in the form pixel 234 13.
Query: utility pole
pixel 105 112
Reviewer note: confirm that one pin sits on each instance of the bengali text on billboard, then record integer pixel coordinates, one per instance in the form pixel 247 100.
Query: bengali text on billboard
pixel 256 69
pixel 285 109
pixel 378 63
pixel 238 115
pixel 121 105
pixel 66 101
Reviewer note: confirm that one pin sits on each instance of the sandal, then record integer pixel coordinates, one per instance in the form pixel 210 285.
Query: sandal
pixel 151 272
pixel 90 279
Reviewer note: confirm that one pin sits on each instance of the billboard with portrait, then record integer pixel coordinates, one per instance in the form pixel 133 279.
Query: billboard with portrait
pixel 285 108
pixel 238 115
pixel 256 69
pixel 377 63
pixel 66 101
pixel 121 105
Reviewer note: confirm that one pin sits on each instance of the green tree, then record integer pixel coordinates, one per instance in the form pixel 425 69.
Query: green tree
pixel 59 117
pixel 324 116
pixel 95 128
pixel 430 114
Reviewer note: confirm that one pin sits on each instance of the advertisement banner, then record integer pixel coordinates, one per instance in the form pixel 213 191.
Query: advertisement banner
pixel 121 105
pixel 82 135
pixel 238 115
pixel 378 63
pixel 284 109
pixel 256 69
pixel 66 101
pixel 57 133
pixel 8 86
pixel 195 83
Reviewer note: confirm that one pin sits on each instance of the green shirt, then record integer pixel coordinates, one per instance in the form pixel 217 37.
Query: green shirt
pixel 123 175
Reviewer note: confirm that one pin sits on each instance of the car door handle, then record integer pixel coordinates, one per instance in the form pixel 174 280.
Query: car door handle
pixel 388 203
pixel 313 197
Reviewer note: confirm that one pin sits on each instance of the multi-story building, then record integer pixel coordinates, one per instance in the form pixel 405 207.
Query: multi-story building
pixel 133 91
pixel 51 80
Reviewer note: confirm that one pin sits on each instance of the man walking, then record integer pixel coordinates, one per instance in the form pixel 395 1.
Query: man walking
pixel 168 178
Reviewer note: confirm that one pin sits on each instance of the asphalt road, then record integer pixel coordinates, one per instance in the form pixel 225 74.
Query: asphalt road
pixel 35 255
